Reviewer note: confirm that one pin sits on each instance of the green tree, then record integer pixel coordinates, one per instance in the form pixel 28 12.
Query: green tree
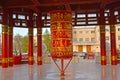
pixel 46 39
pixel 17 43
pixel 25 44
pixel 20 44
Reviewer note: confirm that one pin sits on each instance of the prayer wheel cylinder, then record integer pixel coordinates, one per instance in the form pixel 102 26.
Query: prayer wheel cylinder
pixel 61 34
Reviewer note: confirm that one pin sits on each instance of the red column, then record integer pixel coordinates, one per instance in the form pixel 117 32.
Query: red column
pixel 10 46
pixel 4 39
pixel 39 46
pixel 102 38
pixel 39 39
pixel 30 47
pixel 113 38
pixel 4 46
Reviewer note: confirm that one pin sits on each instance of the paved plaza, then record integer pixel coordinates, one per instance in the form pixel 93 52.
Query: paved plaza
pixel 85 70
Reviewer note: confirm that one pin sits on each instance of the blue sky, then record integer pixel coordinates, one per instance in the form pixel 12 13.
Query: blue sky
pixel 22 31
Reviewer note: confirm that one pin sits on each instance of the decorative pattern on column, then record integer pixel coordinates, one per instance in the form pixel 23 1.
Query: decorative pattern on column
pixel 30 48
pixel 39 46
pixel 113 38
pixel 102 38
pixel 113 45
pixel 4 46
pixel 103 45
pixel 10 46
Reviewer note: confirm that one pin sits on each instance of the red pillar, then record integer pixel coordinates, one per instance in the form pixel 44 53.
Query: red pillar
pixel 113 38
pixel 10 46
pixel 4 46
pixel 102 38
pixel 30 47
pixel 4 39
pixel 39 46
pixel 39 39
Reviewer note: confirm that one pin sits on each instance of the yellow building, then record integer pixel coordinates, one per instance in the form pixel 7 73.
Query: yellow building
pixel 87 39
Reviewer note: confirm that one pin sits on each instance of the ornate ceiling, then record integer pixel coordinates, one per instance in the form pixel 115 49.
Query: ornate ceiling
pixel 48 5
pixel 78 7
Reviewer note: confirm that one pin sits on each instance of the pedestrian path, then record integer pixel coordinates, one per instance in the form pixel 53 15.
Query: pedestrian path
pixel 76 71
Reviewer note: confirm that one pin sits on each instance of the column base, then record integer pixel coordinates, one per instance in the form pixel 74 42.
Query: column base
pixel 113 62
pixel 30 62
pixel 103 63
pixel 4 65
pixel 10 64
pixel 39 62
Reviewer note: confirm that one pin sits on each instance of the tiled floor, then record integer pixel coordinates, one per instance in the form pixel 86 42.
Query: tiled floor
pixel 76 71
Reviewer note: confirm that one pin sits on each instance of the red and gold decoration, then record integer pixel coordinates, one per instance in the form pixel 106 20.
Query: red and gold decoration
pixel 39 46
pixel 103 45
pixel 61 37
pixel 10 46
pixel 4 46
pixel 113 38
pixel 30 48
pixel 102 38
pixel 113 45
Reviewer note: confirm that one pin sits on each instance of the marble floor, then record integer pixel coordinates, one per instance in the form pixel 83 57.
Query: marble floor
pixel 75 71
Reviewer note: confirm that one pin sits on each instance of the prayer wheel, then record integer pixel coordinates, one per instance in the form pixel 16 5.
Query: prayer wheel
pixel 61 37
pixel 61 34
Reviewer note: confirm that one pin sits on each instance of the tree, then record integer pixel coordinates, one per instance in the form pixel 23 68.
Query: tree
pixel 46 39
pixel 17 43
pixel 25 44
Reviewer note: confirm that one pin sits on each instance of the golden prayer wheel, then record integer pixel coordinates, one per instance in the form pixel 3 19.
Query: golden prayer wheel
pixel 61 34
pixel 61 37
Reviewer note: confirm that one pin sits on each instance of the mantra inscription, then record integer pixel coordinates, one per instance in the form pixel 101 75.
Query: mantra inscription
pixel 61 32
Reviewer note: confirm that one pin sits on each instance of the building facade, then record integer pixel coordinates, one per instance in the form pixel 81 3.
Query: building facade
pixel 87 39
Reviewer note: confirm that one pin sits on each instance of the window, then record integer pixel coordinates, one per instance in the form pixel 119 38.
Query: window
pixel 106 21
pixel 92 39
pixel 43 17
pixel 87 31
pixel 116 13
pixel 118 20
pixel 80 32
pixel 87 39
pixel 80 15
pixel 118 29
pixel 80 39
pixel 105 14
pixel 75 39
pixel 91 15
pixel 73 16
pixel 89 19
pixel 75 32
pixel 118 37
pixel 81 22
pixel 92 31
pixel 92 22
pixel 17 23
pixel 48 17
pixel 14 16
pixel 27 17
pixel 119 46
pixel 107 30
pixel 0 17
pixel 107 37
pixel 21 16
pixel 24 24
